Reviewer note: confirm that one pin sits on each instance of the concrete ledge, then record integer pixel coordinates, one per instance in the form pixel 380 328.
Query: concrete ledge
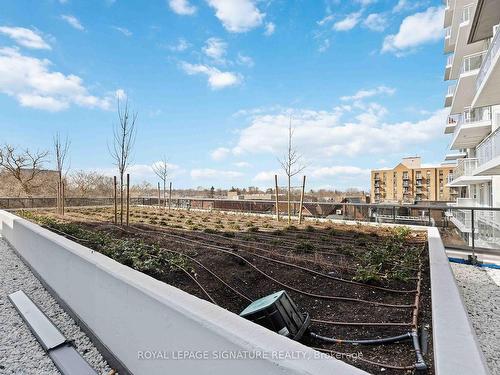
pixel 130 312
pixel 456 350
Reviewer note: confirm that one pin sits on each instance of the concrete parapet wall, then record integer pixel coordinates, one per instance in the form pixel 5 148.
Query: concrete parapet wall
pixel 135 316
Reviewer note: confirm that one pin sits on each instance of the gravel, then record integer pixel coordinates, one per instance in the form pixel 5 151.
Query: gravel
pixel 481 292
pixel 20 352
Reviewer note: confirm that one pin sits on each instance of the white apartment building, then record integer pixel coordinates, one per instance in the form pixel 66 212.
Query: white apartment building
pixel 472 45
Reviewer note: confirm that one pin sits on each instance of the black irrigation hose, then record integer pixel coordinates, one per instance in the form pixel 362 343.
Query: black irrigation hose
pixel 283 263
pixel 361 359
pixel 385 340
pixel 221 249
pixel 374 324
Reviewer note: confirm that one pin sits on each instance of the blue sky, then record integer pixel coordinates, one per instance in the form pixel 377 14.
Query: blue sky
pixel 215 83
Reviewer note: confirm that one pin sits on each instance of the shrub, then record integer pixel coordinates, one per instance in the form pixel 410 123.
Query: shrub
pixel 305 247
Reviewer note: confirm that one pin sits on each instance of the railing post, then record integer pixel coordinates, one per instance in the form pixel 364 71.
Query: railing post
pixel 473 230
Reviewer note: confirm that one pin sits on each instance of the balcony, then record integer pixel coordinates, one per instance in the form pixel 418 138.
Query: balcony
pixel 455 156
pixel 471 129
pixel 449 95
pixel 487 90
pixel 449 64
pixel 464 92
pixel 448 12
pixel 488 153
pixel 452 122
pixel 464 173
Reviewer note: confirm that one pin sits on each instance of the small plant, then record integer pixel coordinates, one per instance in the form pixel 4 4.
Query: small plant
pixel 305 247
pixel 310 228
pixel 291 227
pixel 228 234
pixel 367 274
pixel 253 229
pixel 210 231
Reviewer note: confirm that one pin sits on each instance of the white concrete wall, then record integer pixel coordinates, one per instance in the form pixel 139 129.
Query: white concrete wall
pixel 456 350
pixel 130 312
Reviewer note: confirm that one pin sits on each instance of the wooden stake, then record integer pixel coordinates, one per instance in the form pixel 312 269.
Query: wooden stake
pixel 159 196
pixel 128 198
pixel 170 195
pixel 58 197
pixel 277 198
pixel 114 198
pixel 62 198
pixel 302 199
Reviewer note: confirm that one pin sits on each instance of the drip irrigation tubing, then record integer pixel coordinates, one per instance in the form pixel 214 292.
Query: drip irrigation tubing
pixel 281 262
pixel 319 296
pixel 230 287
pixel 374 324
pixel 361 359
pixel 381 341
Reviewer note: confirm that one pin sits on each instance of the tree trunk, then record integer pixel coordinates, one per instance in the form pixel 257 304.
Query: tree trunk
pixel 121 198
pixel 289 205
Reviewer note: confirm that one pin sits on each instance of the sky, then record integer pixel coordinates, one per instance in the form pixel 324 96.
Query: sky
pixel 215 84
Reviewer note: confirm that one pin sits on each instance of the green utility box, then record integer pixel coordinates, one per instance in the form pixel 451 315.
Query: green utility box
pixel 278 313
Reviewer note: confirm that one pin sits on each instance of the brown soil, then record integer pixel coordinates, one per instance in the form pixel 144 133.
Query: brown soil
pixel 331 249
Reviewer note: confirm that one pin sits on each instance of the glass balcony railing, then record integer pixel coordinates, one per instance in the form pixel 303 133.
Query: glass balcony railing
pixel 449 60
pixel 451 90
pixel 465 167
pixel 447 32
pixel 472 62
pixel 489 148
pixel 488 59
pixel 470 117
pixel 466 13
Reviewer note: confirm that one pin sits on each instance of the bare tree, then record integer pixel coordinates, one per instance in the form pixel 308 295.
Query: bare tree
pixel 61 149
pixel 291 164
pixel 24 166
pixel 161 170
pixel 124 133
pixel 90 183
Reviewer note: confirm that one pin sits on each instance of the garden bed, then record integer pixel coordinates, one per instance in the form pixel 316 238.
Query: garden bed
pixel 355 281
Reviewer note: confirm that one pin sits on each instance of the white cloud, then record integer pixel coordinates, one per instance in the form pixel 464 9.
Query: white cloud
pixel 366 2
pixel 216 78
pixel 123 30
pixel 120 94
pixel 320 134
pixel 72 21
pixel 375 22
pixel 215 48
pixel 237 16
pixel 207 173
pixel 242 164
pixel 325 20
pixel 182 45
pixel 182 7
pixel 270 28
pixel 415 30
pixel 324 46
pixel 406 5
pixel 363 94
pixel 323 172
pixel 245 60
pixel 143 172
pixel 220 153
pixel 266 176
pixel 348 23
pixel 25 37
pixel 34 85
